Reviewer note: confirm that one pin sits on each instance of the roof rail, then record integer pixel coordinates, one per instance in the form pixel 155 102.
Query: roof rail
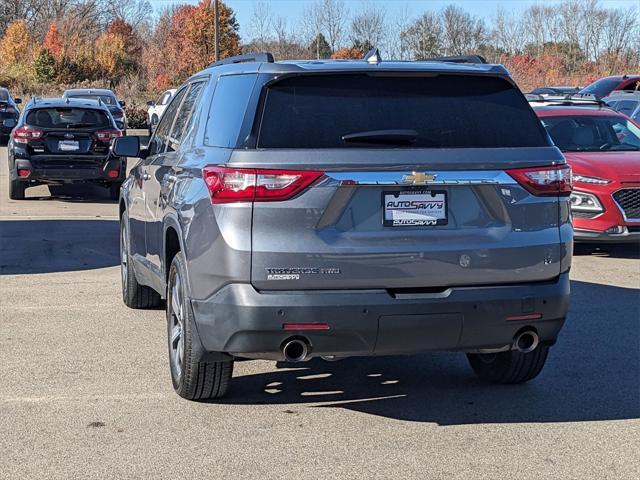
pixel 459 59
pixel 246 58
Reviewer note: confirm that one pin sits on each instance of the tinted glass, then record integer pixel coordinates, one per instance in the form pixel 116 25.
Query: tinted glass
pixel 4 95
pixel 160 138
pixel 625 106
pixel 583 133
pixel 636 115
pixel 601 88
pixel 106 99
pixel 446 111
pixel 68 118
pixel 183 118
pixel 228 110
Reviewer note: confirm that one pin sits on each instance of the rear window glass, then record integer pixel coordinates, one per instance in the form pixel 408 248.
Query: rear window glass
pixel 68 118
pixel 445 111
pixel 106 99
pixel 602 87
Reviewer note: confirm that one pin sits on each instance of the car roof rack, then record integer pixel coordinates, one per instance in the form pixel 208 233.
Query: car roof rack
pixel 571 100
pixel 472 58
pixel 246 58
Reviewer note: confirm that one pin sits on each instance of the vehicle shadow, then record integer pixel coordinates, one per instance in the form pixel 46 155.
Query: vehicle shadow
pixel 628 250
pixel 593 373
pixel 75 193
pixel 44 246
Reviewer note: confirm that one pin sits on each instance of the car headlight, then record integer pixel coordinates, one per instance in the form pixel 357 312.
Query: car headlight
pixel 591 180
pixel 585 202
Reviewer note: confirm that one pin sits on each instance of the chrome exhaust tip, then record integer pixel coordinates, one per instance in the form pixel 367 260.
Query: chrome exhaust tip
pixel 295 350
pixel 526 342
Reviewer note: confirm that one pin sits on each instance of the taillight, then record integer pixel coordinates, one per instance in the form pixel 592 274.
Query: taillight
pixel 545 181
pixel 24 134
pixel 228 185
pixel 108 135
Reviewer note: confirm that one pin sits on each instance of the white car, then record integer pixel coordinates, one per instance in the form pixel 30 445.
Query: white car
pixel 157 108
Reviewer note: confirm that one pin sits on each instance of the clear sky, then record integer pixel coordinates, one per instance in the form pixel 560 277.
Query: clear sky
pixel 292 9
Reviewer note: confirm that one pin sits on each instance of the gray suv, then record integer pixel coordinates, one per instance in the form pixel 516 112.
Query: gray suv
pixel 290 210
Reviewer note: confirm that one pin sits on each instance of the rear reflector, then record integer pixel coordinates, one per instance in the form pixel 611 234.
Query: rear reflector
pixel 113 173
pixel 23 173
pixel 531 316
pixel 544 181
pixel 228 185
pixel 305 326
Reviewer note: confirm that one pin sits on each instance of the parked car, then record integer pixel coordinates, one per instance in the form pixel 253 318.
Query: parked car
pixel 64 141
pixel 333 209
pixel 564 90
pixel 626 102
pixel 157 108
pixel 603 148
pixel 9 113
pixel 108 97
pixel 604 86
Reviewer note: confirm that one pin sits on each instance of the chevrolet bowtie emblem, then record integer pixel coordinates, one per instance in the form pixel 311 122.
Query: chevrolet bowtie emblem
pixel 418 178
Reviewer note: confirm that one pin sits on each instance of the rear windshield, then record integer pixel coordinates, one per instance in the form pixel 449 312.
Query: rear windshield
pixel 106 99
pixel 68 118
pixel 601 88
pixel 445 111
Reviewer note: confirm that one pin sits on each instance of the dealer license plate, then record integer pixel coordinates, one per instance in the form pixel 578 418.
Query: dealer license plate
pixel 68 145
pixel 413 208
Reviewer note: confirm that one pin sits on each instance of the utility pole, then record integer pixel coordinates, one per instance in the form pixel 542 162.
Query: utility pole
pixel 216 11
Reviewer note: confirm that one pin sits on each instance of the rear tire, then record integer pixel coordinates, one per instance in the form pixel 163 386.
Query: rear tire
pixel 509 367
pixel 192 378
pixel 134 295
pixel 16 190
pixel 114 190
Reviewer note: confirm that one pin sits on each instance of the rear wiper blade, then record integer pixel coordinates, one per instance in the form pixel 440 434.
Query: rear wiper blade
pixel 79 125
pixel 386 137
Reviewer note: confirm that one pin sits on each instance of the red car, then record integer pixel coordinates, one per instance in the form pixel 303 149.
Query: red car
pixel 603 147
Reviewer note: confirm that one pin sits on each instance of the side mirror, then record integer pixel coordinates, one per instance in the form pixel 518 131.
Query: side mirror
pixel 129 147
pixel 122 103
pixel 151 103
pixel 17 101
pixel 9 122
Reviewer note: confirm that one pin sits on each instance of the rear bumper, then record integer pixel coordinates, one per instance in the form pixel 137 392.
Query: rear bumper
pixel 591 236
pixel 70 173
pixel 242 321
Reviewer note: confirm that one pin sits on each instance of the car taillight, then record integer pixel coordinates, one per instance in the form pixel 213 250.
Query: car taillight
pixel 108 135
pixel 228 185
pixel 24 134
pixel 544 181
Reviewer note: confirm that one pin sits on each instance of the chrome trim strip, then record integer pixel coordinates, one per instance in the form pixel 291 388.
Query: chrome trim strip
pixel 449 177
pixel 624 215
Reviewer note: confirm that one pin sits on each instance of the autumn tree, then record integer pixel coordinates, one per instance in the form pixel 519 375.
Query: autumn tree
pixel 52 42
pixel 16 44
pixel 352 53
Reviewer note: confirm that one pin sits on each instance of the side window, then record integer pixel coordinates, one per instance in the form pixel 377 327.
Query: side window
pixel 159 140
pixel 184 116
pixel 228 108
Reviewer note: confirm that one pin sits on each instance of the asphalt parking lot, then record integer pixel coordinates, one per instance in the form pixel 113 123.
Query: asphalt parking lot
pixel 85 389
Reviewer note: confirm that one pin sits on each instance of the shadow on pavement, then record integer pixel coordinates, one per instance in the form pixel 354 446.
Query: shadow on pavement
pixel 628 250
pixel 76 193
pixel 593 373
pixel 44 246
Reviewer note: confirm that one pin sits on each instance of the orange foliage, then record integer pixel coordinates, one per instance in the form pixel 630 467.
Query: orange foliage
pixel 52 42
pixel 16 44
pixel 347 54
